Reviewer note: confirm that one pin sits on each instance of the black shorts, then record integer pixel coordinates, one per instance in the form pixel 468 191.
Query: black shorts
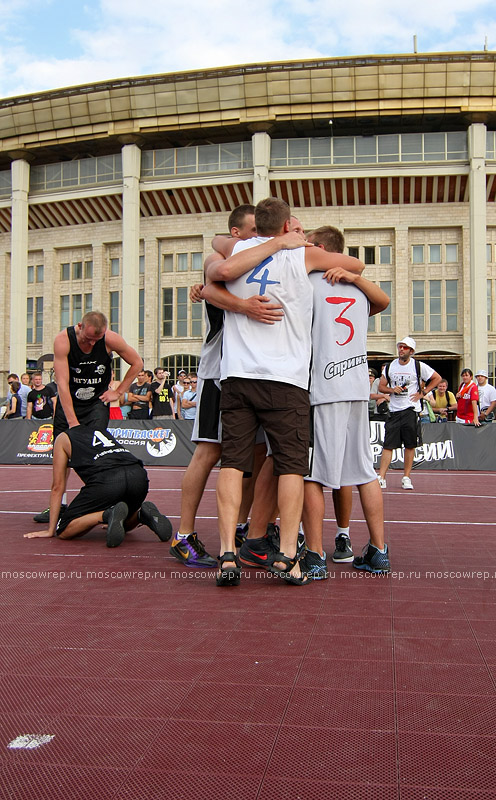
pixel 403 428
pixel 282 410
pixel 105 489
pixel 94 416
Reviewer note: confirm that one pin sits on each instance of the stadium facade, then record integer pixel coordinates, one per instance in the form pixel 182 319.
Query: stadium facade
pixel 110 194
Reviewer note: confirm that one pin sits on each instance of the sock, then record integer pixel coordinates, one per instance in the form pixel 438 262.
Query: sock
pixel 182 535
pixel 343 532
pixel 64 499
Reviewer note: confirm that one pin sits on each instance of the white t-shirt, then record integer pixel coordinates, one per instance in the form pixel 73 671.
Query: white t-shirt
pixel 487 394
pixel 339 340
pixel 406 375
pixel 279 352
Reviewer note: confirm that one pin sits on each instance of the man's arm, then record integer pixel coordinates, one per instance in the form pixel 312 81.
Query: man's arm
pixel 377 298
pixel 61 366
pixel 256 307
pixel 61 455
pixel 29 410
pixel 319 259
pixel 250 257
pixel 125 351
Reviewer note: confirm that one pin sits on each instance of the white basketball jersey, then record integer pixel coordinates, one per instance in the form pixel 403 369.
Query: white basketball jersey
pixel 339 338
pixel 278 352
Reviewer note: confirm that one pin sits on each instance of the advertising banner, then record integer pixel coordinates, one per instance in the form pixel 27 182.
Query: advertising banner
pixel 446 446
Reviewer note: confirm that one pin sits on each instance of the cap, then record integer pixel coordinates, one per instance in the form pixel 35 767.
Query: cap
pixel 373 372
pixel 482 372
pixel 411 343
pixel 182 372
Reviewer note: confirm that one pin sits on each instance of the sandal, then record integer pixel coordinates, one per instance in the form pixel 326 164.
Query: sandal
pixel 285 573
pixel 230 576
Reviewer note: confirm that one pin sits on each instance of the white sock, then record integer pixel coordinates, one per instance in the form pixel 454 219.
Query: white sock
pixel 343 532
pixel 64 499
pixel 182 535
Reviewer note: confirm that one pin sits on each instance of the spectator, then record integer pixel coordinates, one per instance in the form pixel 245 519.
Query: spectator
pixel 467 412
pixel 23 392
pixel 115 411
pixel 162 394
pixel 487 397
pixel 178 390
pixel 442 401
pixel 378 402
pixel 188 400
pixel 139 395
pixel 14 402
pixel 41 399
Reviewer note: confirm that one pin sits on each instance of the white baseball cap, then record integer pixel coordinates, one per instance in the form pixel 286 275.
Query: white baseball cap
pixel 482 372
pixel 411 343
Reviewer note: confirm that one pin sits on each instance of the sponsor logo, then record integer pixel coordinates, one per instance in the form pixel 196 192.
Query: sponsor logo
pixel 159 442
pixel 100 369
pixel 41 441
pixel 85 393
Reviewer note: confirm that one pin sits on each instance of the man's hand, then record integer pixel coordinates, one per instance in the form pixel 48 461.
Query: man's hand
pixel 259 308
pixel 195 293
pixel 339 275
pixel 109 396
pixel 38 535
pixel 292 240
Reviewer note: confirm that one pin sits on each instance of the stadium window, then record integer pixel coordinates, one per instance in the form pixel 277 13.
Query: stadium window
pixel 196 319
pixel 65 306
pixel 385 252
pixel 114 311
pixel 114 267
pixel 354 252
pixel 197 261
pixel 39 320
pixel 76 308
pixel 182 311
pixel 386 315
pixel 435 305
pixel 142 265
pixel 452 305
pixel 40 273
pixel 29 321
pixel 168 262
pixel 30 274
pixel 418 254
pixel 369 255
pixel 65 272
pixel 77 270
pixel 418 305
pixel 434 254
pixel 88 302
pixel 489 256
pixel 451 253
pixel 167 310
pixel 489 304
pixel 141 314
pixel 182 262
pixel 88 269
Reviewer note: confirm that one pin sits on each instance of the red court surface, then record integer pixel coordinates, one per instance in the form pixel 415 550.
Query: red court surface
pixel 154 684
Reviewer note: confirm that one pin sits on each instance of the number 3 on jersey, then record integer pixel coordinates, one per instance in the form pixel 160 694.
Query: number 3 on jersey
pixel 264 280
pixel 348 302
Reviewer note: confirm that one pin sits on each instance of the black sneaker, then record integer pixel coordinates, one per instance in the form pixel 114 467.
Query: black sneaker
pixel 44 516
pixel 191 551
pixel 372 560
pixel 241 532
pixel 258 552
pixel 343 551
pixel 301 545
pixel 114 517
pixel 314 566
pixel 272 534
pixel 150 516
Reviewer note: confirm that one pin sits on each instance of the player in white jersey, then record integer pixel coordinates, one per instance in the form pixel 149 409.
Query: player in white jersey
pixel 264 380
pixel 339 393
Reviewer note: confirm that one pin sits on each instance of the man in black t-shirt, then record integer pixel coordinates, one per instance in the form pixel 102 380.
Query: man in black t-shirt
pixel 162 394
pixel 139 395
pixel 41 399
pixel 115 487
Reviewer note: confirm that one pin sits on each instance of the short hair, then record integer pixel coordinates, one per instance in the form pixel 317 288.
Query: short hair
pixel 192 375
pixel 37 372
pixel 238 214
pixel 96 320
pixel 466 369
pixel 25 374
pixel 331 238
pixel 14 387
pixel 149 373
pixel 270 216
pixel 13 375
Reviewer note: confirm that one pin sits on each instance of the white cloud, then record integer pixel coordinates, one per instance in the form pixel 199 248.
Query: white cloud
pixel 120 38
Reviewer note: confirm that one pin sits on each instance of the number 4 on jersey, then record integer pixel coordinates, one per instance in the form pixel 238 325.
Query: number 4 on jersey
pixel 100 438
pixel 264 280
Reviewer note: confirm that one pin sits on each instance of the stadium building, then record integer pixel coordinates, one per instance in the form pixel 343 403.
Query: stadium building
pixel 110 194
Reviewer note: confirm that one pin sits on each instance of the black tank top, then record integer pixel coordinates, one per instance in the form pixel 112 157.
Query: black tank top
pixel 89 373
pixel 96 451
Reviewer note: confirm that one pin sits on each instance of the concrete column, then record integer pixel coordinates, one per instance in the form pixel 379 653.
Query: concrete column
pixel 478 264
pixel 18 264
pixel 261 164
pixel 403 317
pixel 131 168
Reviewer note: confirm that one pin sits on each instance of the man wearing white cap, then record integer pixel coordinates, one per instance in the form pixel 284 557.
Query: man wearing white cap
pixel 402 381
pixel 487 397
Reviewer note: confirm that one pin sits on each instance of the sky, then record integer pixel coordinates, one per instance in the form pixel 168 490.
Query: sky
pixel 49 44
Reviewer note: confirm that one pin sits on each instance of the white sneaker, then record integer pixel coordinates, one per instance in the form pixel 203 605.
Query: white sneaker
pixel 406 483
pixel 382 482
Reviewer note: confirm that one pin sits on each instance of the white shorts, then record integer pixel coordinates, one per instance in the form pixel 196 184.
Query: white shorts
pixel 341 454
pixel 207 427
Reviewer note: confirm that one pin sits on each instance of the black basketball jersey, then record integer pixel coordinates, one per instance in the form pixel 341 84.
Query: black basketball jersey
pixel 96 451
pixel 89 373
